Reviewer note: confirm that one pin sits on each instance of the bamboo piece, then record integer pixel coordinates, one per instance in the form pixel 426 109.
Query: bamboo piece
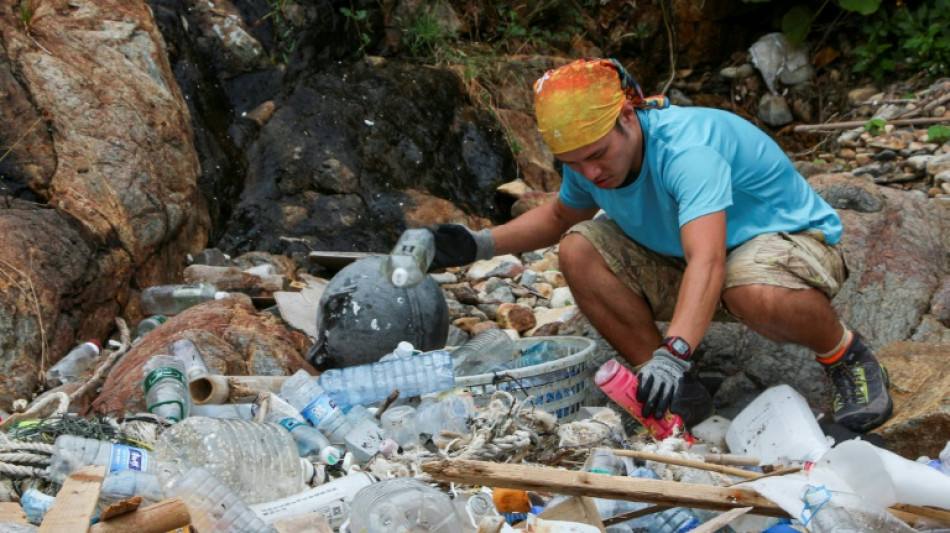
pixel 75 503
pixel 216 389
pixel 166 515
pixel 646 456
pixel 860 123
pixel 580 483
pixel 12 512
pixel 926 512
pixel 731 459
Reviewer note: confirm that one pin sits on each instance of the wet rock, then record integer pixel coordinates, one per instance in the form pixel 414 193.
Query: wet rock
pixel 774 110
pixel 233 338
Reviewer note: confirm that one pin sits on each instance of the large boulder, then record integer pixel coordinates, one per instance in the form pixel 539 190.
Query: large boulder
pixel 101 144
pixel 232 338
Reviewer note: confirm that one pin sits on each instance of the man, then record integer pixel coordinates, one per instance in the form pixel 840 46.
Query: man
pixel 706 219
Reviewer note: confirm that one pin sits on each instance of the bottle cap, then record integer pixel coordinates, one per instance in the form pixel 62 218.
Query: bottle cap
pixel 308 470
pixel 330 455
pixel 96 343
pixel 221 295
pixel 388 447
pixel 606 372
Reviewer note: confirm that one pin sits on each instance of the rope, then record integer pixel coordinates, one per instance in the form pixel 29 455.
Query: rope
pixel 99 375
pixel 28 458
pixel 21 445
pixel 39 405
pixel 8 470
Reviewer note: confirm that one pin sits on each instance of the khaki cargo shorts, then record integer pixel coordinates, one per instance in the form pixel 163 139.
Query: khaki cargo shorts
pixel 795 261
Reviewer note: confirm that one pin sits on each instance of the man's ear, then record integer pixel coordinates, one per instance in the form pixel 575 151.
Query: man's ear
pixel 628 113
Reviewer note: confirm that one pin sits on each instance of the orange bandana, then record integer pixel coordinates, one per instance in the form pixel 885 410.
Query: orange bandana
pixel 579 103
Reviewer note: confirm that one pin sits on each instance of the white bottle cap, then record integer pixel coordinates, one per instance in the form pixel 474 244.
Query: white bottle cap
pixel 308 470
pixel 330 455
pixel 400 277
pixel 221 295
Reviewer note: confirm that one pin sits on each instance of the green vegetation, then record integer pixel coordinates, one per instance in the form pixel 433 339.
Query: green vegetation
pixel 875 126
pixel 358 18
pixel 283 28
pixel 938 134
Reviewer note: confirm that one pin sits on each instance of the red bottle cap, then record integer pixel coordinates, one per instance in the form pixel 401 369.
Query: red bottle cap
pixel 96 342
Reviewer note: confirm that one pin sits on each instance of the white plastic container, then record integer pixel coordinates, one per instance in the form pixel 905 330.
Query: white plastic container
pixel 332 500
pixel 778 428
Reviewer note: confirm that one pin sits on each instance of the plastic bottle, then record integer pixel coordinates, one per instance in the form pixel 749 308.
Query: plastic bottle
pixel 675 520
pixel 490 348
pixel 332 500
pixel 172 299
pixel 620 385
pixel 224 410
pixel 71 453
pixel 361 438
pixel 409 260
pixel 942 462
pixel 73 364
pixel 124 484
pixel 305 393
pixel 35 504
pixel 473 507
pixel 186 351
pixel 403 349
pixel 150 323
pixel 166 392
pixel 399 422
pixel 403 504
pixel 413 376
pixel 535 355
pixel 310 441
pixel 453 412
pixel 604 461
pixel 257 461
pixel 213 506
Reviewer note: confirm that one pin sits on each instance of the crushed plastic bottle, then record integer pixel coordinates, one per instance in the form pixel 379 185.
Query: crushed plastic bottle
pixel 259 462
pixel 213 505
pixel 305 394
pixel 186 351
pixel 71 453
pixel 70 368
pixel 170 300
pixel 166 391
pixel 409 260
pixel 413 376
pixel 620 385
pixel 489 349
pixel 310 441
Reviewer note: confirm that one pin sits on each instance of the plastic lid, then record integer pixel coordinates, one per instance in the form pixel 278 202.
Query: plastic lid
pixel 96 342
pixel 308 470
pixel 399 277
pixel 330 455
pixel 606 372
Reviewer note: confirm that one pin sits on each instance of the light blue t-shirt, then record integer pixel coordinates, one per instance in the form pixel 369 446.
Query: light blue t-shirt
pixel 699 161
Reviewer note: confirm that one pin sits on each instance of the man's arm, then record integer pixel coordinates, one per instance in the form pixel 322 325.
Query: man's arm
pixel 704 246
pixel 538 228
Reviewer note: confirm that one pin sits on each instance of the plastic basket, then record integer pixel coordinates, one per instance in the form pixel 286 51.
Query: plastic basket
pixel 559 386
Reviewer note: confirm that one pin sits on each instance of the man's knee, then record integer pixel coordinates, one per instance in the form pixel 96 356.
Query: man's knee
pixel 750 300
pixel 575 252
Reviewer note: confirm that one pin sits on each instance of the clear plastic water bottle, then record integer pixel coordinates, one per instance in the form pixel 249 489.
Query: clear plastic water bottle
pixel 361 437
pixel 488 349
pixel 310 441
pixel 305 394
pixel 149 324
pixel 224 410
pixel 400 424
pixel 604 461
pixel 413 376
pixel 675 520
pixel 172 299
pixel 535 355
pixel 453 412
pixel 124 484
pixel 186 351
pixel 403 504
pixel 409 260
pixel 71 453
pixel 35 504
pixel 72 365
pixel 259 462
pixel 166 392
pixel 213 506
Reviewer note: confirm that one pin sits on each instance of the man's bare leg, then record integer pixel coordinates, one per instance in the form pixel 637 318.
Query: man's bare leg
pixel 796 316
pixel 620 315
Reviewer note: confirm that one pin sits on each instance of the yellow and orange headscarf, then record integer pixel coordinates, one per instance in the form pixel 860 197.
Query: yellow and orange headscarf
pixel 578 103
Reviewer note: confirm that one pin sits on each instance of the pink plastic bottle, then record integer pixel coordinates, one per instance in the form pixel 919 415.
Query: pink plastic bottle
pixel 620 384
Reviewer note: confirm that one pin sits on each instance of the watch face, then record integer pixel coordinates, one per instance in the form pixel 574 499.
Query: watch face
pixel 678 346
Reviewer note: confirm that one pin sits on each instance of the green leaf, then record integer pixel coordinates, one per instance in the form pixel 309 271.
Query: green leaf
pixel 864 7
pixel 875 126
pixel 796 24
pixel 938 134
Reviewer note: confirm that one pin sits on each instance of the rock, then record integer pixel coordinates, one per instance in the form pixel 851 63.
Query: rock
pixel 860 95
pixel 562 297
pixel 514 316
pixel 548 317
pixel 920 387
pixel 938 164
pixel 505 266
pixel 233 339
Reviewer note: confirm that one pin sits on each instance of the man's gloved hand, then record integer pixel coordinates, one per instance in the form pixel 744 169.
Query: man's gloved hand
pixel 456 245
pixel 659 381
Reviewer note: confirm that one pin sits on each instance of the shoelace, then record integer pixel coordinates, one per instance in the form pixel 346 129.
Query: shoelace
pixel 845 379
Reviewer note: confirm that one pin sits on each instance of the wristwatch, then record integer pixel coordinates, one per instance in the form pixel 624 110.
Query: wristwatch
pixel 677 346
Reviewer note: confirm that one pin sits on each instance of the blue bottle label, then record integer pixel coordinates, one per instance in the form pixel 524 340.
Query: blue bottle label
pixel 128 458
pixel 290 424
pixel 318 410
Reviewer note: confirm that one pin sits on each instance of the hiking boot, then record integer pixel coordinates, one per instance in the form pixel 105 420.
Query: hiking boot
pixel 693 403
pixel 861 401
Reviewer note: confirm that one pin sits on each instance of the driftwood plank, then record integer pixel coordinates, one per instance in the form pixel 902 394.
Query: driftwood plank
pixel 75 503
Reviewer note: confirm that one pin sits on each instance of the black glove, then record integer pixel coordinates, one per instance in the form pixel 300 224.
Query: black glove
pixel 456 245
pixel 659 381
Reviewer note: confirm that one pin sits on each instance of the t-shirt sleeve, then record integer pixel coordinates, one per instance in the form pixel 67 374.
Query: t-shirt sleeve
pixel 573 193
pixel 700 181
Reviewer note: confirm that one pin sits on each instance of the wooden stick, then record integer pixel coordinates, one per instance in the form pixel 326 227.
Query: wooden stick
pixel 12 512
pixel 731 459
pixel 779 472
pixel 580 483
pixel 722 520
pixel 926 512
pixel 860 123
pixel 166 515
pixel 692 463
pixel 75 503
pixel 630 515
